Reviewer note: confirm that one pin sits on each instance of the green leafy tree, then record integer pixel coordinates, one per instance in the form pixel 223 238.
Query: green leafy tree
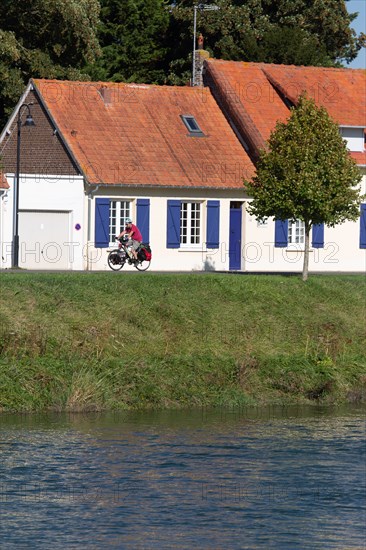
pixel 328 20
pixel 131 35
pixel 306 174
pixel 44 39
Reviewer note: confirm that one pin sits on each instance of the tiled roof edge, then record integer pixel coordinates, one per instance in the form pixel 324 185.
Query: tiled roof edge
pixel 281 89
pixel 161 186
pixel 229 101
pixel 262 65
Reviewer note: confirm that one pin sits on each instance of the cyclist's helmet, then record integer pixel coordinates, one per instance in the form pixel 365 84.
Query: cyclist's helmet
pixel 128 220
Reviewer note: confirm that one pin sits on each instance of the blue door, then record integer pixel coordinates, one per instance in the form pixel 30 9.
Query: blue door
pixel 235 239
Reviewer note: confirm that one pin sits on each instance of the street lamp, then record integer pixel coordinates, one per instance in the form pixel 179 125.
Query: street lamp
pixel 28 122
pixel 201 7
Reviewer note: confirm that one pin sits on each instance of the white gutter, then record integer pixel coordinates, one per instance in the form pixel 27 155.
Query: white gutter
pixel 349 126
pixel 160 186
pixel 88 237
pixel 3 195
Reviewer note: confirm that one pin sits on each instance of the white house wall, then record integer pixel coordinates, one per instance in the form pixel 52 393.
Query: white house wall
pixel 341 250
pixel 171 259
pixel 46 194
pixel 3 206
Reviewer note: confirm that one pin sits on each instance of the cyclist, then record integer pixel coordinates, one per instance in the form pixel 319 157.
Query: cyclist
pixel 133 233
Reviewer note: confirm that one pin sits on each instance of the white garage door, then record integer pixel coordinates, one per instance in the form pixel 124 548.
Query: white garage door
pixel 44 240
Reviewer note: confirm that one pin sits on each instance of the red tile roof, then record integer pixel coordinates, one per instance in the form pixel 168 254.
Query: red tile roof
pixel 360 157
pixel 341 91
pixel 3 181
pixel 254 94
pixel 133 134
pixel 245 87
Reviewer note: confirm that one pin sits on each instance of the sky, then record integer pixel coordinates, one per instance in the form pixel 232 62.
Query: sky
pixel 359 25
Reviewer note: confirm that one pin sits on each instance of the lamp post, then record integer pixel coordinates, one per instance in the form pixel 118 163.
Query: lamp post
pixel 28 122
pixel 201 7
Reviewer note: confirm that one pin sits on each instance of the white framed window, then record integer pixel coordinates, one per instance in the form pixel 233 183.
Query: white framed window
pixel 296 232
pixel 118 212
pixel 190 223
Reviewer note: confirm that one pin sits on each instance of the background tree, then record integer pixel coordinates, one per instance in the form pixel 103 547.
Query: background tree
pixel 295 32
pixel 131 35
pixel 44 39
pixel 307 174
pixel 151 41
pixel 328 20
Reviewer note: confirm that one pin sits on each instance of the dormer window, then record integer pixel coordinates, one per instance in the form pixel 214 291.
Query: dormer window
pixel 192 125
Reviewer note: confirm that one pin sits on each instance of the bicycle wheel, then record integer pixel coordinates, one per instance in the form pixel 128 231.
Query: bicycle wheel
pixel 143 266
pixel 115 261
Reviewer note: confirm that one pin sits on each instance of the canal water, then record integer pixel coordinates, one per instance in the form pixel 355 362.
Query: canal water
pixel 283 478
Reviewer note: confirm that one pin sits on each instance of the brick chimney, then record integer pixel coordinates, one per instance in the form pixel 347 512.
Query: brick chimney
pixel 106 94
pixel 201 55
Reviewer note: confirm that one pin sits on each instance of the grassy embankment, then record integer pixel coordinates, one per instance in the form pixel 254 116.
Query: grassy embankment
pixel 107 341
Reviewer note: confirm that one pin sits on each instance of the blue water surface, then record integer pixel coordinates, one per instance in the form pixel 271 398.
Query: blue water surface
pixel 257 478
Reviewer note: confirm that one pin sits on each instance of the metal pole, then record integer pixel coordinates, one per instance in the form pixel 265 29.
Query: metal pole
pixel 29 122
pixel 16 200
pixel 194 45
pixel 202 7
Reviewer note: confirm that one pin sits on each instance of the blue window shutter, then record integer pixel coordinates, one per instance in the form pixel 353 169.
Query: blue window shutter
pixel 213 224
pixel 143 218
pixel 363 226
pixel 281 233
pixel 101 223
pixel 318 235
pixel 173 224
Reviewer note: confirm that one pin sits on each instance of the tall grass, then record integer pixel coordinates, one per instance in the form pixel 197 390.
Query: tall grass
pixel 82 341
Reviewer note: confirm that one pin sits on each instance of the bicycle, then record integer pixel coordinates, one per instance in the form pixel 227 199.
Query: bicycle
pixel 119 257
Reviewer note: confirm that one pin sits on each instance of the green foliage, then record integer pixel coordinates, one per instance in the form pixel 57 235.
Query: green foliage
pixel 306 174
pixel 64 30
pixel 272 31
pixel 131 36
pixel 44 39
pixel 291 46
pixel 151 41
pixel 327 20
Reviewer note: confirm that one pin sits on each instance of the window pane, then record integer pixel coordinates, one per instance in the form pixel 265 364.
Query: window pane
pixel 296 232
pixel 118 212
pixel 124 213
pixel 193 126
pixel 190 223
pixel 112 220
pixel 183 222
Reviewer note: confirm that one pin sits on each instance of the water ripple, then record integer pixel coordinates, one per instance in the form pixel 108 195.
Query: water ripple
pixel 184 480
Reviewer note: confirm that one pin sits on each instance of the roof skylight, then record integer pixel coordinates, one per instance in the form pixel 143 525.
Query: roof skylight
pixel 192 125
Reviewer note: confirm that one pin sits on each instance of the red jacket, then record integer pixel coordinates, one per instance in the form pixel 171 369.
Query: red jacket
pixel 135 233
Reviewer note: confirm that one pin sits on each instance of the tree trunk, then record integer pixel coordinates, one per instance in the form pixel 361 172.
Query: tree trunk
pixel 305 269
